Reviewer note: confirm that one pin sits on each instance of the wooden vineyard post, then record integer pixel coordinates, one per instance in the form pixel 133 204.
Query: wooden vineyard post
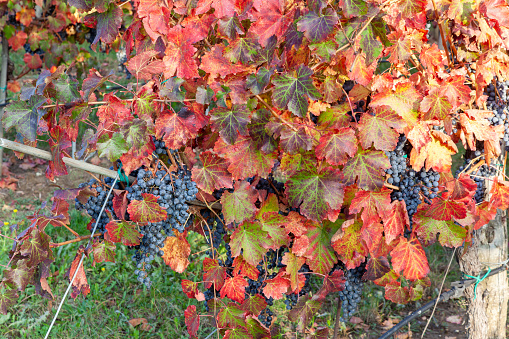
pixel 3 90
pixel 487 311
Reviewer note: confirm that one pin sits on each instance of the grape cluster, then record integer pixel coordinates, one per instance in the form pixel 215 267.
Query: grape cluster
pixel 478 175
pixel 94 204
pixel 28 50
pixel 291 299
pixel 497 102
pixel 214 228
pixel 351 295
pixel 414 186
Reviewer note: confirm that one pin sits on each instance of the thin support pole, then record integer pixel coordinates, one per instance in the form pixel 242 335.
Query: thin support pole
pixel 3 91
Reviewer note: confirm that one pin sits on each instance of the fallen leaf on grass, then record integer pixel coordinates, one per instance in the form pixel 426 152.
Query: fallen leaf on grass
pixel 356 320
pixel 454 319
pixel 144 327
pixel 8 208
pixel 403 335
pixel 388 324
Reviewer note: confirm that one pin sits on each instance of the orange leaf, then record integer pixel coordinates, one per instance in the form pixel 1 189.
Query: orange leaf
pixel 409 257
pixel 234 288
pixel 176 252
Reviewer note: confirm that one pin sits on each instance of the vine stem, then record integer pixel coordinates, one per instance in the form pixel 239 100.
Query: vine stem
pixel 53 244
pixel 439 293
pixel 105 102
pixel 274 113
pixel 444 40
pixel 336 323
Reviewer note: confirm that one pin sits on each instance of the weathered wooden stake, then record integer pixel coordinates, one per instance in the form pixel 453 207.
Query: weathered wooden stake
pixel 3 91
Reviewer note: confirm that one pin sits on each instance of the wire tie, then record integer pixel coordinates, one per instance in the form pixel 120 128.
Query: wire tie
pixel 478 280
pixel 3 88
pixel 162 83
pixel 122 176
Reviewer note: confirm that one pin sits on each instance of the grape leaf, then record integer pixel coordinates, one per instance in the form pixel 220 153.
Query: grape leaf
pixel 276 287
pixel 112 148
pixel 336 147
pixel 245 269
pixel 190 288
pixel 254 304
pixel 305 309
pixel 408 256
pixel 146 210
pixel 234 288
pixel 319 253
pixel 403 100
pixel 332 283
pixel 445 208
pixel 8 298
pixel 36 247
pixel 108 24
pixel 125 232
pixel 171 89
pixel 436 154
pixel 192 320
pixel 318 193
pixel 271 19
pixel 317 26
pixel 214 173
pixel 295 140
pixel 213 273
pixel 58 142
pixel 293 264
pixel 250 237
pixel 245 159
pixel 215 63
pixel 19 274
pixel 376 268
pixel 230 26
pixel 257 82
pixel 370 45
pixel 33 61
pixel 347 242
pixel 114 111
pixel 177 129
pixel 24 116
pixel 486 213
pixel 258 131
pixel 377 129
pixel 179 59
pixel 231 315
pixel 397 293
pixel 256 329
pixel 239 205
pixel 427 230
pixel 103 251
pixel 244 50
pixel 395 220
pixel 352 8
pixel 368 167
pixel 499 194
pixel 120 204
pixel 80 284
pixel 435 106
pixel 294 91
pixel 230 122
pixel 176 252
pixel 374 205
pixel 272 223
pixel 455 90
pixel 144 67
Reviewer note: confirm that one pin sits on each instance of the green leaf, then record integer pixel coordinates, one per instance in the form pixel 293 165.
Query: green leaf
pixel 353 8
pixel 244 50
pixel 24 116
pixel 316 26
pixel 368 166
pixel 112 148
pixel 257 82
pixel 325 49
pixel 370 45
pixel 252 239
pixel 294 91
pixel 239 205
pixel 135 133
pixel 320 254
pixel 449 233
pixel 125 232
pixel 103 251
pixel 65 89
pixel 318 193
pixel 230 122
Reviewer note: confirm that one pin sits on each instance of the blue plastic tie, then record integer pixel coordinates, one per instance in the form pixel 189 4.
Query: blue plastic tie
pixel 478 280
pixel 122 176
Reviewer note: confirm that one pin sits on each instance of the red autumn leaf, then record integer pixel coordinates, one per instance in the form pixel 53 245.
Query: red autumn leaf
pixel 445 208
pixel 213 273
pixel 395 220
pixel 455 90
pixel 486 213
pixel 114 111
pixel 254 304
pixel 177 129
pixel 305 309
pixel 176 252
pixel 179 58
pixel 103 251
pixel 33 61
pixel 379 129
pixel 500 194
pixel 332 283
pixel 221 8
pixel 276 287
pixel 146 210
pixel 435 106
pixel 190 288
pixel 427 230
pixel 408 256
pixel 318 251
pixel 125 232
pixel 432 57
pixel 374 205
pixel 17 40
pixel 437 153
pixel 463 188
pixel 243 268
pixel 234 288
pixel 192 320
pixel 404 100
pixel 58 142
pixel 348 244
pixel 337 147
pixel 231 315
pixel 120 204
pixel 143 66
pixel 215 63
pixel 214 173
pixel 80 283
pixel 366 168
pixel 271 20
pixel 373 236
